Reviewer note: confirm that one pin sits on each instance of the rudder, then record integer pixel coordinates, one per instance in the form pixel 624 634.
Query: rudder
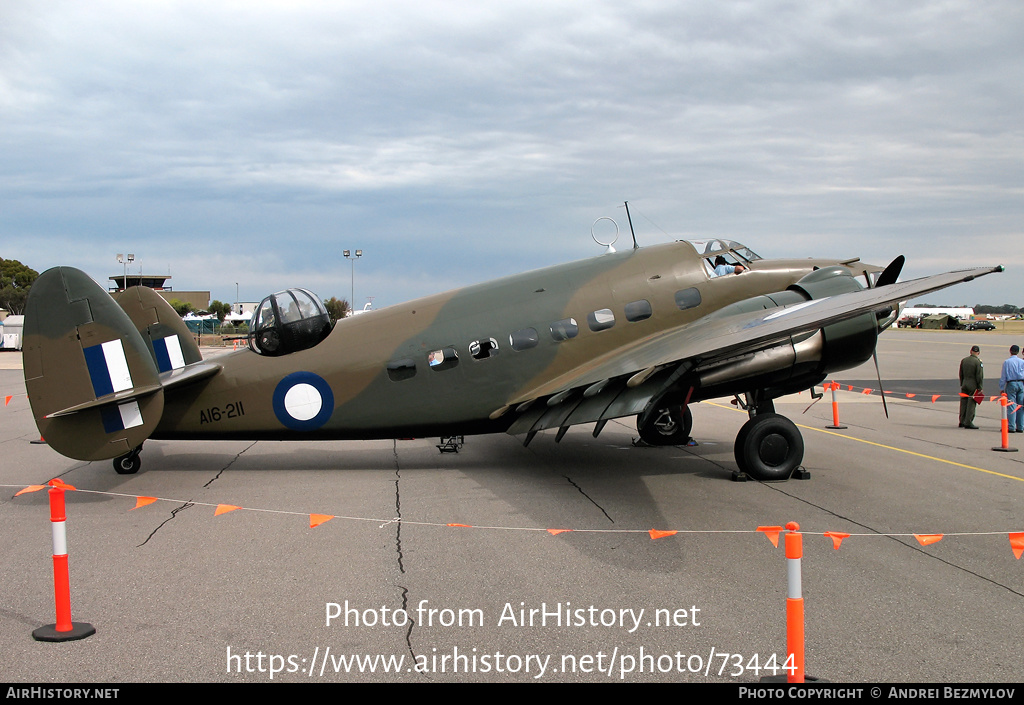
pixel 169 340
pixel 91 378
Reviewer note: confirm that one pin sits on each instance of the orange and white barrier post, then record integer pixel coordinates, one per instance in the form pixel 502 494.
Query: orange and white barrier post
pixel 794 603
pixel 64 629
pixel 1004 426
pixel 835 407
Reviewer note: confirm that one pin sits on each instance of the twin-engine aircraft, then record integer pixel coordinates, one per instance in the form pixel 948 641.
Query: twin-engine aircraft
pixel 644 332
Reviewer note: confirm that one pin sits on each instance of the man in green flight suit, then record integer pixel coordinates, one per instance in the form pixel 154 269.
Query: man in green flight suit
pixel 972 374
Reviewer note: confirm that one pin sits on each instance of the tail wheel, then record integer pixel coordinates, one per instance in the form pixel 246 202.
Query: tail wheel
pixel 769 447
pixel 128 464
pixel 669 426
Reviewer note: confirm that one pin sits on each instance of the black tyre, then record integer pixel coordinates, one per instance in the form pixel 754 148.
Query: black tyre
pixel 769 447
pixel 669 426
pixel 127 464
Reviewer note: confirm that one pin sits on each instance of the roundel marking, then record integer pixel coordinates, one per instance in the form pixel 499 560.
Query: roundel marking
pixel 303 401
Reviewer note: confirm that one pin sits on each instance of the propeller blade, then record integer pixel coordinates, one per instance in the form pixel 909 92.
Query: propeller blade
pixel 879 375
pixel 891 273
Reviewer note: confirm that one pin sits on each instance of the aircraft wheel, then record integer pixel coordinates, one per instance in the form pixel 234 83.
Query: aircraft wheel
pixel 670 426
pixel 769 447
pixel 127 464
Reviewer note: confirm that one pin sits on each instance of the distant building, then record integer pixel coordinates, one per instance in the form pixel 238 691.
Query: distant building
pixel 200 300
pixel 153 281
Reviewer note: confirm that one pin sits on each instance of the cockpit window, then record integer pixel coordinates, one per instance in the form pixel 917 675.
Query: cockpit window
pixel 745 252
pixel 288 321
pixel 730 248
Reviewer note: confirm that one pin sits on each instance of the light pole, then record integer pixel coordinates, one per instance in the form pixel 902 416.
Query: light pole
pixel 352 297
pixel 234 310
pixel 125 260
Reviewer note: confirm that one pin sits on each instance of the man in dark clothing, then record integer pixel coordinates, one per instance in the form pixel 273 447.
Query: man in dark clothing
pixel 972 374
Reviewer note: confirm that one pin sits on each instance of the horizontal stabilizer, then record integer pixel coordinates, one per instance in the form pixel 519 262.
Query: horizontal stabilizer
pixel 91 377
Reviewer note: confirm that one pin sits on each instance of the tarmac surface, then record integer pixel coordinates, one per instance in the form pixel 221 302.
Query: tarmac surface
pixel 179 594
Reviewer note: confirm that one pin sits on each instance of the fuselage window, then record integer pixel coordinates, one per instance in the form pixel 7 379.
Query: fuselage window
pixel 602 319
pixel 564 329
pixel 687 298
pixel 483 349
pixel 524 339
pixel 638 310
pixel 443 359
pixel 401 369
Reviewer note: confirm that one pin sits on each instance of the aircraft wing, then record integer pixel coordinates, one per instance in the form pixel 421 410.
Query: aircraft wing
pixel 705 340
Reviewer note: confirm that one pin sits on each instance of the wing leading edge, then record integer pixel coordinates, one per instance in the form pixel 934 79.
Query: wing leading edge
pixel 624 381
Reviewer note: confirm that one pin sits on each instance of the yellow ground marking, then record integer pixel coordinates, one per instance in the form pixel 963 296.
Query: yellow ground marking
pixel 882 445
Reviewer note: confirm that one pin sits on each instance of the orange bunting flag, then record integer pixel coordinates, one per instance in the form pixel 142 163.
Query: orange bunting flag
pixel 464 526
pixel 910 396
pixel 556 532
pixel 928 539
pixel 7 400
pixel 31 488
pixel 656 534
pixel 1017 544
pixel 772 532
pixel 992 398
pixel 867 391
pixel 849 387
pixel 935 397
pixel 59 484
pixel 224 509
pixel 316 520
pixel 837 538
pixel 142 502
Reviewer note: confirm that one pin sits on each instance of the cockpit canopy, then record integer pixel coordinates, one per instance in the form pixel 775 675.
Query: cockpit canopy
pixel 288 321
pixel 710 248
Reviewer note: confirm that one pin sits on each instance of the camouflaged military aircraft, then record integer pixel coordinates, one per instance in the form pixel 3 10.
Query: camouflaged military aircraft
pixel 644 332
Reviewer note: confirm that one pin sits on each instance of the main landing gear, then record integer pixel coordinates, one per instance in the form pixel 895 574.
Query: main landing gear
pixel 669 426
pixel 769 446
pixel 129 463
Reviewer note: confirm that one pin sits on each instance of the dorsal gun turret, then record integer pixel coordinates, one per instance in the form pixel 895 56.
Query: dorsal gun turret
pixel 288 321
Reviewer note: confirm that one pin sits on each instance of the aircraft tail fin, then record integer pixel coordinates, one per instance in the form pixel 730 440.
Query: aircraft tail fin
pixel 168 338
pixel 93 379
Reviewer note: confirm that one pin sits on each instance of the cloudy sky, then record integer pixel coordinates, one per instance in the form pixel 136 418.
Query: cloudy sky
pixel 453 142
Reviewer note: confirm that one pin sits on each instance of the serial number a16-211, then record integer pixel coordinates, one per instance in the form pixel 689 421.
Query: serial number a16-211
pixel 216 413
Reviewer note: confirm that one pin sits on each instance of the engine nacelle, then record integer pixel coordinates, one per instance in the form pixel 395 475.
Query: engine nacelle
pixel 847 343
pixel 802 360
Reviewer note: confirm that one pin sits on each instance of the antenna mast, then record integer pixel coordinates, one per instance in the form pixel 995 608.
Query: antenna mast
pixel 635 246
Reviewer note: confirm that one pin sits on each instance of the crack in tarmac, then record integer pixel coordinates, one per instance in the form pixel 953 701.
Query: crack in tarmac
pixel 174 513
pixel 188 503
pixel 398 548
pixel 897 539
pixel 589 498
pixel 232 462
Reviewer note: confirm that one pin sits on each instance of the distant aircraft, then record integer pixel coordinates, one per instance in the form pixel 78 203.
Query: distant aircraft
pixel 644 332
